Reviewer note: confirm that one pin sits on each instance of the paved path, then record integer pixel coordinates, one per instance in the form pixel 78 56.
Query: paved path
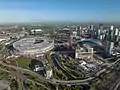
pixel 53 81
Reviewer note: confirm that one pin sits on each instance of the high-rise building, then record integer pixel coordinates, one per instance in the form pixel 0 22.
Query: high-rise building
pixel 79 30
pixel 74 34
pixel 112 32
pixel 111 27
pixel 109 47
pixel 105 34
pixel 69 41
pixel 116 32
pixel 101 37
pixel 116 35
pixel 91 27
pixel 110 40
pixel 108 35
pixel 100 27
pixel 99 33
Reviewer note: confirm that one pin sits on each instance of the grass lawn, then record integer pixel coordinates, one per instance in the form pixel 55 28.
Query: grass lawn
pixel 1 46
pixel 48 31
pixel 22 62
pixel 3 75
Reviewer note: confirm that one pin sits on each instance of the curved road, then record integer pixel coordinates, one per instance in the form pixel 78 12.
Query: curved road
pixel 54 81
pixel 56 62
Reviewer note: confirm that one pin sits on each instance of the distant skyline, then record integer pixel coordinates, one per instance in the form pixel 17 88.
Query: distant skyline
pixel 60 10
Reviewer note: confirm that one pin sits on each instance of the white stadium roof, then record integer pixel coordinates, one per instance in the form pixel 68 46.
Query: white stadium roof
pixel 27 45
pixel 37 30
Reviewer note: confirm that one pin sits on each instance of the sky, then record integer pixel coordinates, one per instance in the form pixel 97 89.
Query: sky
pixel 60 10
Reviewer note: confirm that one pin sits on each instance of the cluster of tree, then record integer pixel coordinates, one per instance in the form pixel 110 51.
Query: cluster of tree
pixel 73 88
pixel 59 74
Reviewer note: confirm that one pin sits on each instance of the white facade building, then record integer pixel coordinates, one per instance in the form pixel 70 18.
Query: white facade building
pixel 74 34
pixel 33 31
pixel 49 73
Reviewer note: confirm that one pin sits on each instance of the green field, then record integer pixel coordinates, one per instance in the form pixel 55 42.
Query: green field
pixel 3 75
pixel 48 31
pixel 22 62
pixel 1 46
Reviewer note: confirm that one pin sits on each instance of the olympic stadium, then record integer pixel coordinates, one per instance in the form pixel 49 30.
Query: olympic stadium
pixel 34 45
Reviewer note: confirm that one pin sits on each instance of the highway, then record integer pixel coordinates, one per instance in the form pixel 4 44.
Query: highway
pixel 54 81
pixel 22 86
pixel 57 64
pixel 85 81
pixel 63 67
pixel 116 87
pixel 75 82
pixel 25 71
pixel 23 79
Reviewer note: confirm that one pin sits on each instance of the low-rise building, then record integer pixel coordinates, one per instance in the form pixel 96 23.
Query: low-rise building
pixel 33 31
pixel 83 52
pixel 49 73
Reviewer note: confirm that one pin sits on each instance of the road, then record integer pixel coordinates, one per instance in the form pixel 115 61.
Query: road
pixel 58 44
pixel 57 64
pixel 75 82
pixel 18 76
pixel 23 79
pixel 85 80
pixel 4 86
pixel 44 79
pixel 53 81
pixel 116 88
